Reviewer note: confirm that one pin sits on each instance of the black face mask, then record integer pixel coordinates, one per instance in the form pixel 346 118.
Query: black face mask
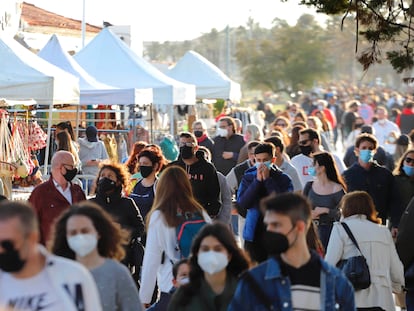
pixel 70 174
pixel 106 185
pixel 145 170
pixel 186 152
pixel 10 260
pixel 306 150
pixel 276 243
pixel 198 133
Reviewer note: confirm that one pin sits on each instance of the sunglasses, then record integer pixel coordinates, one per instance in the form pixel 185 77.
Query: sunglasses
pixel 409 160
pixel 303 142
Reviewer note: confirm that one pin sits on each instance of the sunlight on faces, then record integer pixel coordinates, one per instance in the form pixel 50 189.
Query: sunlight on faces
pixel 13 231
pixel 210 243
pixel 107 173
pixel 182 273
pixel 365 145
pixel 79 224
pixel 263 157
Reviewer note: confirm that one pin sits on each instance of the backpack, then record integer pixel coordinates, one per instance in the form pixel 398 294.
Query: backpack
pixel 186 231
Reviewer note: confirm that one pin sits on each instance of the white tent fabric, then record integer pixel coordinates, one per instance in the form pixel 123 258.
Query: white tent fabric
pixel 209 80
pixel 111 61
pixel 24 75
pixel 92 92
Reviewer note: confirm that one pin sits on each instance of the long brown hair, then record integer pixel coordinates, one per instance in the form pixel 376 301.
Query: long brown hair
pixel 132 161
pixel 359 203
pixel 174 196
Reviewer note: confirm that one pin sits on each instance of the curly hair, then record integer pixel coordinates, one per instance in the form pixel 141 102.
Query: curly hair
pixel 112 238
pixel 120 170
pixel 155 155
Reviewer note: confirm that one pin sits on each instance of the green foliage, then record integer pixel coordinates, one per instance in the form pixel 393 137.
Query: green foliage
pixel 291 58
pixel 380 22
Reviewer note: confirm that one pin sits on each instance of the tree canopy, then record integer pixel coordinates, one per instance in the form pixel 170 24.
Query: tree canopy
pixel 386 25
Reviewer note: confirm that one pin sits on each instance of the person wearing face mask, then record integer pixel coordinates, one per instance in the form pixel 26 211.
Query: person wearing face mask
pixel 215 265
pixel 173 202
pixel 383 129
pixel 325 194
pixel 150 163
pixel 294 277
pixel 201 173
pixel 87 234
pixel 227 145
pixel 377 181
pixel 404 179
pixel 33 279
pixel 309 143
pixel 181 272
pixel 200 132
pixel 54 196
pixel 257 183
pixel 112 179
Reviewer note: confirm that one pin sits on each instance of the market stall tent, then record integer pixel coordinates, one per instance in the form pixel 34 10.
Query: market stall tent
pixel 210 81
pixel 24 75
pixel 111 61
pixel 92 92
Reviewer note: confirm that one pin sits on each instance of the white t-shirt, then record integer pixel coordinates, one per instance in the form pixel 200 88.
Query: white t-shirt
pixel 302 162
pixel 35 293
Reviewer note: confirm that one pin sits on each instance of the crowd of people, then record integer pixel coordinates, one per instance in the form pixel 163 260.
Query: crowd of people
pixel 250 217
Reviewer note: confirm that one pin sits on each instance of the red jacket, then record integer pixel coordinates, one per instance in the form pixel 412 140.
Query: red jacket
pixel 49 203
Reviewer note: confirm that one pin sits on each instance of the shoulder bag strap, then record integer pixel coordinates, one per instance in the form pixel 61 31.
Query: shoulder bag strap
pixel 351 236
pixel 256 288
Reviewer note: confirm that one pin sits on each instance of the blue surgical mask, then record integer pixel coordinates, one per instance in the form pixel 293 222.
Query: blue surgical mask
pixel 408 170
pixel 366 155
pixel 311 171
pixel 267 163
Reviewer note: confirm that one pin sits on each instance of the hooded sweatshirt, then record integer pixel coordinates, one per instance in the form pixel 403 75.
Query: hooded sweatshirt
pixel 91 150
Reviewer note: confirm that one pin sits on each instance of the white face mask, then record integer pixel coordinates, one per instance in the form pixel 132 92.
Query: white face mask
pixel 212 262
pixel 82 244
pixel 221 132
pixel 184 281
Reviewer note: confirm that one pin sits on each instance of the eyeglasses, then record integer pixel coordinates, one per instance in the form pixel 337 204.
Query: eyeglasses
pixel 71 166
pixel 303 142
pixel 186 144
pixel 409 160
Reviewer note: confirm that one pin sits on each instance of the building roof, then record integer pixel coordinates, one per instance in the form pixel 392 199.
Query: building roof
pixel 36 17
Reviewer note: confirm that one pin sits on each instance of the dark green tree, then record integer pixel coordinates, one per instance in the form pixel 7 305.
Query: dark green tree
pixel 288 59
pixel 387 25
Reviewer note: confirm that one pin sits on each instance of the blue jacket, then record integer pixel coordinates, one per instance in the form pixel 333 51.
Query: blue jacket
pixel 336 291
pixel 251 191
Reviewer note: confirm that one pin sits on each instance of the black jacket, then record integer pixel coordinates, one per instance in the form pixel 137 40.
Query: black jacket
pixel 124 211
pixel 204 182
pixel 380 185
pixel 232 144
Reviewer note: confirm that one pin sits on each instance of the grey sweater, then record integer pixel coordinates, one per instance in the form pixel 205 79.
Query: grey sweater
pixel 116 287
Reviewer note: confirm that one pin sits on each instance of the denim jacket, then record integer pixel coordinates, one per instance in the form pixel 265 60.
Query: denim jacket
pixel 336 291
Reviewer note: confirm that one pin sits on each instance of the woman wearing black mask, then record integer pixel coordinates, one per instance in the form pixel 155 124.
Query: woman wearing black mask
pixel 150 163
pixel 112 180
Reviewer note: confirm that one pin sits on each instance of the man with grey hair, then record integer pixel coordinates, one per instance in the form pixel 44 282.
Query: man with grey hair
pixel 52 197
pixel 33 279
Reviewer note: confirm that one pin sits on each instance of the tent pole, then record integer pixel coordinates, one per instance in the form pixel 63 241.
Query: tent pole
pixel 172 120
pixel 48 141
pixel 77 121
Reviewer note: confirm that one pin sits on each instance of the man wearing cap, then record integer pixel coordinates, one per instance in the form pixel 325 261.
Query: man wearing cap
pixel 92 151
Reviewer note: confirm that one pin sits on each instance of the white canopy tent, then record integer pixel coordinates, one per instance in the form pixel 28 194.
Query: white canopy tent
pixel 24 75
pixel 210 81
pixel 92 92
pixel 111 61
